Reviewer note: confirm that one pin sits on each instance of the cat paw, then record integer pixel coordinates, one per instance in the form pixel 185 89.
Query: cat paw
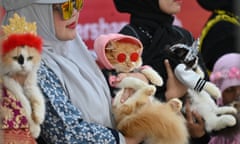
pixel 35 130
pixel 157 81
pixel 150 90
pixel 38 113
pixel 230 120
pixel 176 104
pixel 233 110
pixel 213 90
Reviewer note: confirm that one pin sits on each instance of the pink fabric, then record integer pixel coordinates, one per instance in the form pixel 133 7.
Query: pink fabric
pixel 101 42
pixel 225 139
pixel 226 71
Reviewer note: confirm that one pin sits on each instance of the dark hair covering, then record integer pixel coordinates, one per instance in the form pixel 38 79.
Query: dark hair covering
pixel 223 36
pixel 227 5
pixel 145 10
pixel 155 30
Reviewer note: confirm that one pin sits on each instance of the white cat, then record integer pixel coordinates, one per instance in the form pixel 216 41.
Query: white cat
pixel 200 91
pixel 216 118
pixel 18 73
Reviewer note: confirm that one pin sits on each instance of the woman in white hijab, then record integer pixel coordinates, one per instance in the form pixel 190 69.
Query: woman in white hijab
pixel 78 101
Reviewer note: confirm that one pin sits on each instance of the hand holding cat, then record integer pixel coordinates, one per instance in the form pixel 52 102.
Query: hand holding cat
pixel 175 88
pixel 195 122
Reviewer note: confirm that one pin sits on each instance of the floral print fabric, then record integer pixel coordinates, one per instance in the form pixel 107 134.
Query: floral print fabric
pixel 64 123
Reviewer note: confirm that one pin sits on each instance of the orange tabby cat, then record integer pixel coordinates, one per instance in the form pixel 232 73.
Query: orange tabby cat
pixel 124 57
pixel 122 53
pixel 141 115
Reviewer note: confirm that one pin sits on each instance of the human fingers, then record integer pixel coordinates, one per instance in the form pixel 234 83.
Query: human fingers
pixel 198 118
pixel 168 68
pixel 189 115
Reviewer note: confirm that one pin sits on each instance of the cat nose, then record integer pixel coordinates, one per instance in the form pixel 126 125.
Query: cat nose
pixel 20 59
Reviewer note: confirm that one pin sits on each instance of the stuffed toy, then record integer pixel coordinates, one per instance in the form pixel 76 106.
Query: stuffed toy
pixel 141 115
pixel 22 106
pixel 121 53
pixel 200 91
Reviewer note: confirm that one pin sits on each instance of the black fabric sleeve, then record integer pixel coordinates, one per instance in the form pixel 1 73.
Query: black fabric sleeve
pixel 202 140
pixel 115 134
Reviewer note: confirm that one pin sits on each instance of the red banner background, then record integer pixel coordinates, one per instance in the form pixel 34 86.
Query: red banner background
pixel 98 17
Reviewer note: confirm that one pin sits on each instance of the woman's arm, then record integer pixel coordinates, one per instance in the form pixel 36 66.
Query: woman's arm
pixel 64 123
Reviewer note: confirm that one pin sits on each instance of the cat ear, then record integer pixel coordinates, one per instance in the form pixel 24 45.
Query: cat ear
pixel 175 104
pixel 110 45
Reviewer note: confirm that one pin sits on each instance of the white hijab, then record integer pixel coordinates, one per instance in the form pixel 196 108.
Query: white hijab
pixel 71 62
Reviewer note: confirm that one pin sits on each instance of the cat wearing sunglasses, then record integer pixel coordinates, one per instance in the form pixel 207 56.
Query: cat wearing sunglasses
pixel 122 54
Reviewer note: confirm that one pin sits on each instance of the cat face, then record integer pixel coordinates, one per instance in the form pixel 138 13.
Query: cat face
pixel 123 56
pixel 185 54
pixel 21 60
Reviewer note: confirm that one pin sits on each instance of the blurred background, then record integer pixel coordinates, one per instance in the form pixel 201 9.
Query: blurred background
pixel 98 17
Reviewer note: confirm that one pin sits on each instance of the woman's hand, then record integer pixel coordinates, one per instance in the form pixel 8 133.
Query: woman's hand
pixel 195 122
pixel 175 88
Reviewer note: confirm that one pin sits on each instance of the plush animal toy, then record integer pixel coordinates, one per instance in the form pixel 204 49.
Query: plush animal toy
pixel 122 53
pixel 22 107
pixel 141 115
pixel 201 91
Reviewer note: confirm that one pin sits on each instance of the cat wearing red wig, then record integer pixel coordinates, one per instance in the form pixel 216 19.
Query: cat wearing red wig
pixel 22 107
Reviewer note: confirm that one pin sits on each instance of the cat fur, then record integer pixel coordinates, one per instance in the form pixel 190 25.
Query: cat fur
pixel 200 91
pixel 29 93
pixel 143 115
pixel 137 66
pixel 188 71
pixel 216 117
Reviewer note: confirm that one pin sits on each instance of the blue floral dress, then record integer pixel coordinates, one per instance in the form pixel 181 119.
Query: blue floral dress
pixel 64 123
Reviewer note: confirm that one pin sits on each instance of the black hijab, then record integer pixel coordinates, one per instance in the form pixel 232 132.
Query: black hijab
pixel 223 36
pixel 146 14
pixel 227 5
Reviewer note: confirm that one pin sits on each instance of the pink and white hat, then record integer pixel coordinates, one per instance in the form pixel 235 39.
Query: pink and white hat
pixel 226 71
